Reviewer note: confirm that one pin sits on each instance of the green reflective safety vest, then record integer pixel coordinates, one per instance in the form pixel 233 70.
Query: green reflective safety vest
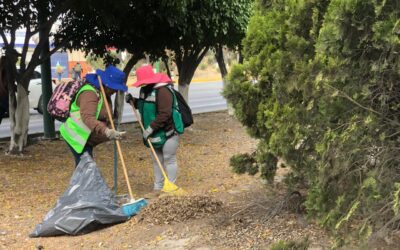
pixel 74 130
pixel 148 111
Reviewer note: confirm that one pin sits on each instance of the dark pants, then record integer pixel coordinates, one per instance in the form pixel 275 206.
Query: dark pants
pixel 77 155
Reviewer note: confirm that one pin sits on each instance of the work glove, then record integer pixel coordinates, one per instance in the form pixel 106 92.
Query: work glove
pixel 130 99
pixel 113 134
pixel 147 133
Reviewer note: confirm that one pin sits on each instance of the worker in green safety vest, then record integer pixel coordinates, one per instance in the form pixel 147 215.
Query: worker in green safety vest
pixel 157 105
pixel 88 123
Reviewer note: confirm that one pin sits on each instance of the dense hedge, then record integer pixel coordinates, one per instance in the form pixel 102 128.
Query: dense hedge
pixel 320 88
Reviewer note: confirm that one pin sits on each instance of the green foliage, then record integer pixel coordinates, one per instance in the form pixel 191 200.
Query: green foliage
pixel 262 162
pixel 243 163
pixel 140 27
pixel 320 88
pixel 291 245
pixel 186 28
pixel 267 164
pixel 30 17
pixel 206 24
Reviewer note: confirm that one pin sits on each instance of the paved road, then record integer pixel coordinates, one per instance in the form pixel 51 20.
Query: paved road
pixel 203 97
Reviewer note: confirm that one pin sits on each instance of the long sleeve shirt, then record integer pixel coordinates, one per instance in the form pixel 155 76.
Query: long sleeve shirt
pixel 164 108
pixel 87 102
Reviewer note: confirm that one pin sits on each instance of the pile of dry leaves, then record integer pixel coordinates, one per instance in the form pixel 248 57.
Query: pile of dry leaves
pixel 168 209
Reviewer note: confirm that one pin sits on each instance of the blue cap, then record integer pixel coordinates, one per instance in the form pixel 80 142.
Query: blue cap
pixel 111 77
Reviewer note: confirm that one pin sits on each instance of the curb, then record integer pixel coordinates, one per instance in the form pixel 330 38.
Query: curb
pixel 206 79
pixel 195 80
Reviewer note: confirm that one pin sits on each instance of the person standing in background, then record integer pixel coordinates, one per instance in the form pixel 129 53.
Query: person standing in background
pixel 76 71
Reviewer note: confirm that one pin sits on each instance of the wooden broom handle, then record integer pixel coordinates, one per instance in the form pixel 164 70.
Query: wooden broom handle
pixel 117 141
pixel 149 142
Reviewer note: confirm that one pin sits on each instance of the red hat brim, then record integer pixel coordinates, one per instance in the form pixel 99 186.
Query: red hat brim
pixel 157 78
pixel 164 78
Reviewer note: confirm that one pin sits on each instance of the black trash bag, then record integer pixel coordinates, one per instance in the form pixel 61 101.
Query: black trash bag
pixel 87 205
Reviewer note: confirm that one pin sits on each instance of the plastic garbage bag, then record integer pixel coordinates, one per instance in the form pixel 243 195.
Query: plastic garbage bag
pixel 87 204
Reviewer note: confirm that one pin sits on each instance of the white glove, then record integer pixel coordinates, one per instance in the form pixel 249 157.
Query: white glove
pixel 114 134
pixel 147 133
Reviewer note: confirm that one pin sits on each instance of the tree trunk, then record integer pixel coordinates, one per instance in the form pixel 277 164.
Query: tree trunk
pixel 3 80
pixel 19 119
pixel 18 102
pixel 129 65
pixel 165 60
pixel 185 77
pixel 240 55
pixel 219 56
pixel 184 84
pixel 120 96
pixel 187 62
pixel 119 106
pixel 3 89
pixel 18 96
pixel 184 90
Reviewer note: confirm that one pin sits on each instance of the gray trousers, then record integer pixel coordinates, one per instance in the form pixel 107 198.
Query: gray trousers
pixel 167 157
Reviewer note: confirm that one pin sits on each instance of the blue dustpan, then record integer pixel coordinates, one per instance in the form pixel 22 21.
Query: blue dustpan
pixel 133 207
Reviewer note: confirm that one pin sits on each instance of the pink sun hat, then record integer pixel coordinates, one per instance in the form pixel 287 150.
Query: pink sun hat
pixel 145 76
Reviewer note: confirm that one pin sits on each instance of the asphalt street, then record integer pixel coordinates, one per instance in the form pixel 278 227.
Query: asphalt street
pixel 203 97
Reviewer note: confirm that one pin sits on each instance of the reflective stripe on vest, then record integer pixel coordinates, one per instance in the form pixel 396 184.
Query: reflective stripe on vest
pixel 77 139
pixel 74 130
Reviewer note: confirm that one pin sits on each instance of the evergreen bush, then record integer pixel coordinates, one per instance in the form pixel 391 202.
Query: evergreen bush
pixel 320 88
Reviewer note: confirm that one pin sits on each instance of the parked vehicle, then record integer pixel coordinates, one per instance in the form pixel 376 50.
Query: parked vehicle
pixel 35 92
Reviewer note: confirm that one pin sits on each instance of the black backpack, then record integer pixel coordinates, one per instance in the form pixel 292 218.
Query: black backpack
pixel 184 109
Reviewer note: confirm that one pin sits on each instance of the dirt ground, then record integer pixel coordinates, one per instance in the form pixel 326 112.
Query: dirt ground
pixel 248 214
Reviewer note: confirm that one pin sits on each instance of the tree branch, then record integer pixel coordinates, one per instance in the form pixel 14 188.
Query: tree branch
pixel 14 23
pixel 240 55
pixel 13 29
pixel 201 55
pixel 178 61
pixel 26 42
pixel 55 49
pixel 361 106
pixel 165 60
pixel 219 56
pixel 129 65
pixel 3 36
pixel 53 18
pixel 39 47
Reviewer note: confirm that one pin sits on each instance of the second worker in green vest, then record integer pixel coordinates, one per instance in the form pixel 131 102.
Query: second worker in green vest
pixel 88 124
pixel 157 105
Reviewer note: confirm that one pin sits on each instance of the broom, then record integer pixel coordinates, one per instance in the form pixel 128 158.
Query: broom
pixel 169 187
pixel 133 206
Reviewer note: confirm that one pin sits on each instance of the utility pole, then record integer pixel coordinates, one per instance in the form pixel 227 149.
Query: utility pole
pixel 47 89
